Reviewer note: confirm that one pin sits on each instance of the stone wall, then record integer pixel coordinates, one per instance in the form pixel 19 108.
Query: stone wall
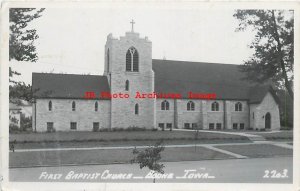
pixel 62 114
pixel 214 116
pixel 268 105
pixel 165 116
pixel 185 116
pixel 123 110
pixel 239 117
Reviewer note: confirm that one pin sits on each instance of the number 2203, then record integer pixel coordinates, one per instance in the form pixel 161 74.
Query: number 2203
pixel 275 174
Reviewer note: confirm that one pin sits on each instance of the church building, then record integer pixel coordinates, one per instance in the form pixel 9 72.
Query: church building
pixel 61 105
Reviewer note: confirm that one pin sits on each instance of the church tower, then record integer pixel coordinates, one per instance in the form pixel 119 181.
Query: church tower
pixel 128 67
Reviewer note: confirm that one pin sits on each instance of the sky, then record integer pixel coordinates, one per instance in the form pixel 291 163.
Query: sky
pixel 71 40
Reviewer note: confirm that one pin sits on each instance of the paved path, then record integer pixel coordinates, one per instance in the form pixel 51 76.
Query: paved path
pixel 211 147
pixel 282 144
pixel 251 137
pixel 256 170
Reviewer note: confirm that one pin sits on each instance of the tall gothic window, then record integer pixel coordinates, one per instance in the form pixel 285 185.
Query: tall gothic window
pixel 96 106
pixel 127 85
pixel 238 106
pixel 50 106
pixel 108 60
pixel 136 109
pixel 132 60
pixel 190 106
pixel 165 105
pixel 215 106
pixel 73 106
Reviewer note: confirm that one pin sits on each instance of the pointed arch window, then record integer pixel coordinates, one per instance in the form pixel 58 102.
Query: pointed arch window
pixel 190 106
pixel 165 105
pixel 215 106
pixel 136 109
pixel 73 106
pixel 127 85
pixel 238 106
pixel 96 106
pixel 50 106
pixel 132 60
pixel 108 60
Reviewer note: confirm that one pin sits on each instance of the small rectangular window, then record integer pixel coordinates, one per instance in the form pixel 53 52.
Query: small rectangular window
pixel 234 126
pixel 186 125
pixel 219 126
pixel 242 126
pixel 161 125
pixel 211 126
pixel 73 125
pixel 169 125
pixel 50 127
pixel 96 126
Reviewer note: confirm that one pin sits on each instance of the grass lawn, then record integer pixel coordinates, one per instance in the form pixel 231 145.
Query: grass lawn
pixel 275 135
pixel 89 144
pixel 23 159
pixel 254 151
pixel 118 136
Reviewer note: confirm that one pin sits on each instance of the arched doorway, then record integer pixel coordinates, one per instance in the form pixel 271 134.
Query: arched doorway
pixel 268 121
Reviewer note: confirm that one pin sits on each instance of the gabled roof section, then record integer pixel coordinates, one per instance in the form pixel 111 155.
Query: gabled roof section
pixel 49 85
pixel 257 94
pixel 226 80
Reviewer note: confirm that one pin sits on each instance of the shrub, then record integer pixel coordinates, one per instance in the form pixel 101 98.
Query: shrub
pixel 25 122
pixel 13 128
pixel 135 128
pixel 286 128
pixel 104 129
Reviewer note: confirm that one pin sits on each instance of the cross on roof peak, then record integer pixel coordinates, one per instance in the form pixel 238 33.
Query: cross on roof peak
pixel 132 23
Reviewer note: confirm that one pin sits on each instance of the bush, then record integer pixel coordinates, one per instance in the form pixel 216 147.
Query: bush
pixel 135 128
pixel 25 123
pixel 104 129
pixel 286 128
pixel 13 128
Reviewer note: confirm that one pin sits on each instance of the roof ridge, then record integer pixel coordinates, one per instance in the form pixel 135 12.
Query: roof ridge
pixel 198 62
pixel 68 74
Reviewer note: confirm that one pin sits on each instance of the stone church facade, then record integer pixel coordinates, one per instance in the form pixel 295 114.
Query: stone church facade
pixel 61 105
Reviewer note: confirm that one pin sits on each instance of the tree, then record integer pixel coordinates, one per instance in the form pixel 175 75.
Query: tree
pixel 20 91
pixel 21 47
pixel 21 39
pixel 150 157
pixel 273 45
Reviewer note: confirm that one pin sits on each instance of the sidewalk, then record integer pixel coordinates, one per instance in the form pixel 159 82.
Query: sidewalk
pixel 282 144
pixel 251 137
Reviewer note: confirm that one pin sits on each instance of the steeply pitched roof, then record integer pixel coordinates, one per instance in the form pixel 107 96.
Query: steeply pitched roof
pixel 257 93
pixel 47 85
pixel 180 77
